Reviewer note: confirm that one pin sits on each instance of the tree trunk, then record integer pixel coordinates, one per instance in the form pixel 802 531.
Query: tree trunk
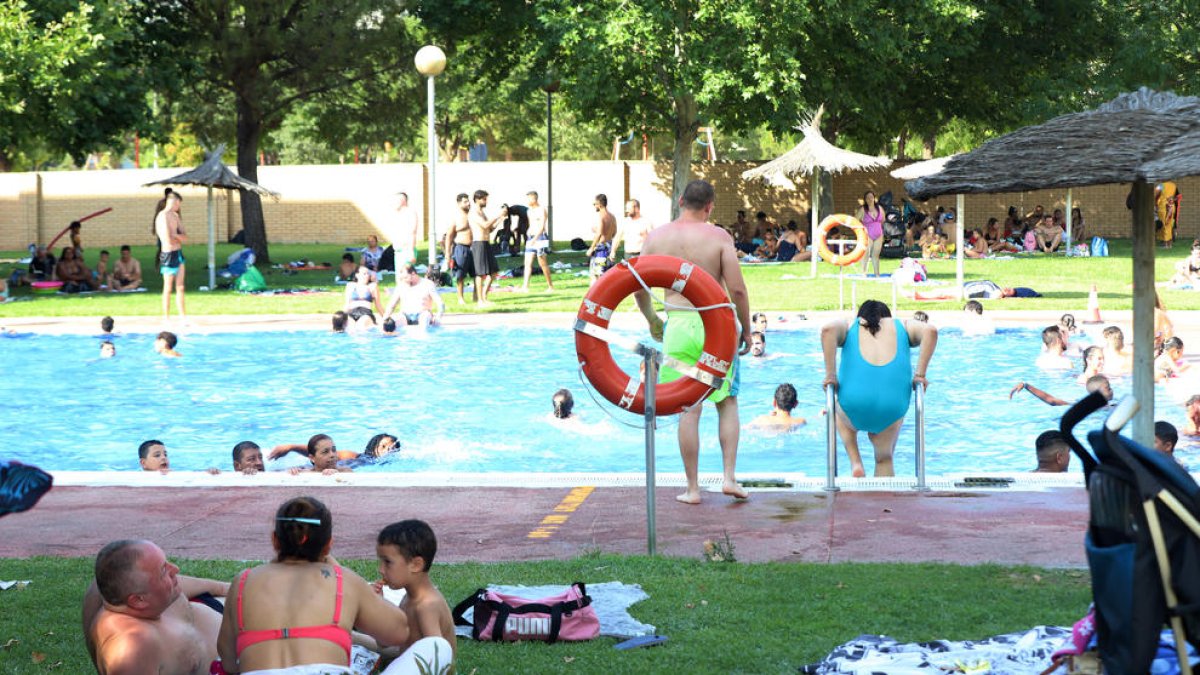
pixel 686 125
pixel 929 141
pixel 902 143
pixel 5 162
pixel 249 134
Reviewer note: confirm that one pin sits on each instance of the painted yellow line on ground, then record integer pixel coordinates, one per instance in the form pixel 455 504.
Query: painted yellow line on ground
pixel 553 521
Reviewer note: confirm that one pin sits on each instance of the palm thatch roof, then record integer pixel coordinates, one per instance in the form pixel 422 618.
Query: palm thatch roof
pixel 812 154
pixel 919 169
pixel 1142 135
pixel 214 173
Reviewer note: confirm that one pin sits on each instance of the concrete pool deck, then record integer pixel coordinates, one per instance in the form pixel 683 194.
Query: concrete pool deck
pixel 491 524
pixel 1042 526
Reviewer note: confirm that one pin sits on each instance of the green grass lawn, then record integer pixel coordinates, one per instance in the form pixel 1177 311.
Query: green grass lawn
pixel 1064 283
pixel 719 617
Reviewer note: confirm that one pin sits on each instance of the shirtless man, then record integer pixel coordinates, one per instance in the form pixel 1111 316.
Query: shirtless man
pixel 538 243
pixel 486 265
pixel 169 229
pixel 137 617
pixel 417 298
pixel 633 231
pixel 1191 426
pixel 127 272
pixel 457 246
pixel 405 245
pixel 1054 350
pixel 780 418
pixel 709 247
pixel 601 253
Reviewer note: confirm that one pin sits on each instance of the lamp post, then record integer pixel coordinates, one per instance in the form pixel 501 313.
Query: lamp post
pixel 431 61
pixel 550 87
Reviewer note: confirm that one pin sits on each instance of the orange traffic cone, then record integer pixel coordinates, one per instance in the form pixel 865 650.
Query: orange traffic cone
pixel 1093 308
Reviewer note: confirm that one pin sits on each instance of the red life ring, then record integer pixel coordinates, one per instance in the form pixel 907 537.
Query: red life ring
pixel 860 244
pixel 657 271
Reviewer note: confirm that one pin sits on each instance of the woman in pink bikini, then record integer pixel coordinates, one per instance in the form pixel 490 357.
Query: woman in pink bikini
pixel 294 614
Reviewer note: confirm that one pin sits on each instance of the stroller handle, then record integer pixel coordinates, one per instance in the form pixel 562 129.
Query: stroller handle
pixel 1121 415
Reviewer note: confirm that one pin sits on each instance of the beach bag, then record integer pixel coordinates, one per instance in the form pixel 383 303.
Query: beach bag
pixel 1099 247
pixel 566 616
pixel 250 281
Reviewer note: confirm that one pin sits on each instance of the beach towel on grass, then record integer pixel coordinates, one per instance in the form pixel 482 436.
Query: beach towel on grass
pixel 611 600
pixel 1026 653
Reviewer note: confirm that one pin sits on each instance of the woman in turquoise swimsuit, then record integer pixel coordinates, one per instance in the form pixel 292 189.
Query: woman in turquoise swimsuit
pixel 875 378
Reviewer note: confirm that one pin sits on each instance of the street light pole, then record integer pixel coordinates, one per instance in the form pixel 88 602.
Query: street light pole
pixel 430 62
pixel 550 88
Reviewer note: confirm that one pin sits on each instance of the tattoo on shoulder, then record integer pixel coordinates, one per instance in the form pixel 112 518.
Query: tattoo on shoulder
pixel 325 572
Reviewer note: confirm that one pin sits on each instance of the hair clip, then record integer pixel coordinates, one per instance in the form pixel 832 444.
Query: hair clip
pixel 310 521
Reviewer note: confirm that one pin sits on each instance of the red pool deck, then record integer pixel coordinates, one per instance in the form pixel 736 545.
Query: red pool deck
pixel 1042 528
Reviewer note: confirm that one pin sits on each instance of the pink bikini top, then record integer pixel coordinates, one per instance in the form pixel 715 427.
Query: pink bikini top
pixel 331 631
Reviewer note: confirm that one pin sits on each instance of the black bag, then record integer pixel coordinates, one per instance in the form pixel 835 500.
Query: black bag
pixel 578 244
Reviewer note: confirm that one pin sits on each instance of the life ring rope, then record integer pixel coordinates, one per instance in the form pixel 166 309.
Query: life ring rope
pixel 678 287
pixel 594 340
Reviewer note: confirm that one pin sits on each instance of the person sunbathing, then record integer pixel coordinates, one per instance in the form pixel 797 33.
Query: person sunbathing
pixel 931 244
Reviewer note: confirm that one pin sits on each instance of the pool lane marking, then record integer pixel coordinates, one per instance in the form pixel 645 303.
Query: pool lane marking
pixel 561 514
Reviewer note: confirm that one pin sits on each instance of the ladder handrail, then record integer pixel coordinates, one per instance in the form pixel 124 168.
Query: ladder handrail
pixel 831 459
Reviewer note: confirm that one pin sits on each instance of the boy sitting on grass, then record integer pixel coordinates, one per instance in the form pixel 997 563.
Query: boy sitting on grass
pixel 406 550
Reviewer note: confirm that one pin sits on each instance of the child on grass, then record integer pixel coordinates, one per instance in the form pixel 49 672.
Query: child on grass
pixel 406 550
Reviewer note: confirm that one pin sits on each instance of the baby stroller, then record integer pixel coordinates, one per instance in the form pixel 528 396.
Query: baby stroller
pixel 893 228
pixel 1143 542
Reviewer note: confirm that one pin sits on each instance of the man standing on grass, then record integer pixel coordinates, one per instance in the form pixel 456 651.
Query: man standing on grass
pixel 406 235
pixel 458 246
pixel 538 243
pixel 169 228
pixel 601 252
pixel 710 248
pixel 487 268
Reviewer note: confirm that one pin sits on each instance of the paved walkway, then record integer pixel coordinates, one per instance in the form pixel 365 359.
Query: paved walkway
pixel 498 524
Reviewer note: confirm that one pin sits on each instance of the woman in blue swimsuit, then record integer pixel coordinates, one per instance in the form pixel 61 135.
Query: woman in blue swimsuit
pixel 875 378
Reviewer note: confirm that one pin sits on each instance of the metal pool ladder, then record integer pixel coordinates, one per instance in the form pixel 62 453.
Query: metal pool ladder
pixel 831 459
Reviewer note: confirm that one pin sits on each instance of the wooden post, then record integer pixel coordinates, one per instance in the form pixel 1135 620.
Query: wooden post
pixel 1143 311
pixel 958 246
pixel 814 201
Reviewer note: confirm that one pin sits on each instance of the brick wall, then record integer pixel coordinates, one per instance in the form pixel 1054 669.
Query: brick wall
pixel 345 203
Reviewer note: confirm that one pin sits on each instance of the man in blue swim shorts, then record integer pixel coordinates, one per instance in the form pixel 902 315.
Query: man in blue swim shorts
pixel 600 253
pixel 458 246
pixel 168 227
pixel 875 379
pixel 710 248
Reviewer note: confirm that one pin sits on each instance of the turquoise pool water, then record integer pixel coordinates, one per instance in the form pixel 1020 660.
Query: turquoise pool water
pixel 475 399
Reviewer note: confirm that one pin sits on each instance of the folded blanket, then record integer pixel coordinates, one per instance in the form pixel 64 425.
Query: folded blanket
pixel 610 599
pixel 1011 654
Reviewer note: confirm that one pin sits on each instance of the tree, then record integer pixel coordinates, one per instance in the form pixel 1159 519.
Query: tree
pixel 268 56
pixel 671 65
pixel 74 76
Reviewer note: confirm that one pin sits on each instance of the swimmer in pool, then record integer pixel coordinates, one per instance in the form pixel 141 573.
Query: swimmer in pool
pixel 248 458
pixel 378 446
pixel 165 344
pixel 758 344
pixel 1098 383
pixel 1054 350
pixel 324 457
pixel 975 322
pixel 1165 437
pixel 564 404
pixel 780 418
pixel 1170 363
pixel 1093 364
pixel 1192 409
pixel 107 349
pixel 875 378
pixel 339 321
pixel 759 322
pixel 152 455
pixel 1053 453
pixel 1117 359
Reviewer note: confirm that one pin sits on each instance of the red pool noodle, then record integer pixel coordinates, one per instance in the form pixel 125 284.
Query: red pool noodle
pixel 87 217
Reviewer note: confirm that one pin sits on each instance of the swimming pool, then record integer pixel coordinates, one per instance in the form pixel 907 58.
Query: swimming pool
pixel 474 399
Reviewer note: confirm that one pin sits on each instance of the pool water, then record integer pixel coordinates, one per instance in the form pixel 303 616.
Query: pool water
pixel 478 400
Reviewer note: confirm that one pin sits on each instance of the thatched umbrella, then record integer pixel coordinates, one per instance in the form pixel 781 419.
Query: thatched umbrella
pixel 1141 138
pixel 810 157
pixel 213 173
